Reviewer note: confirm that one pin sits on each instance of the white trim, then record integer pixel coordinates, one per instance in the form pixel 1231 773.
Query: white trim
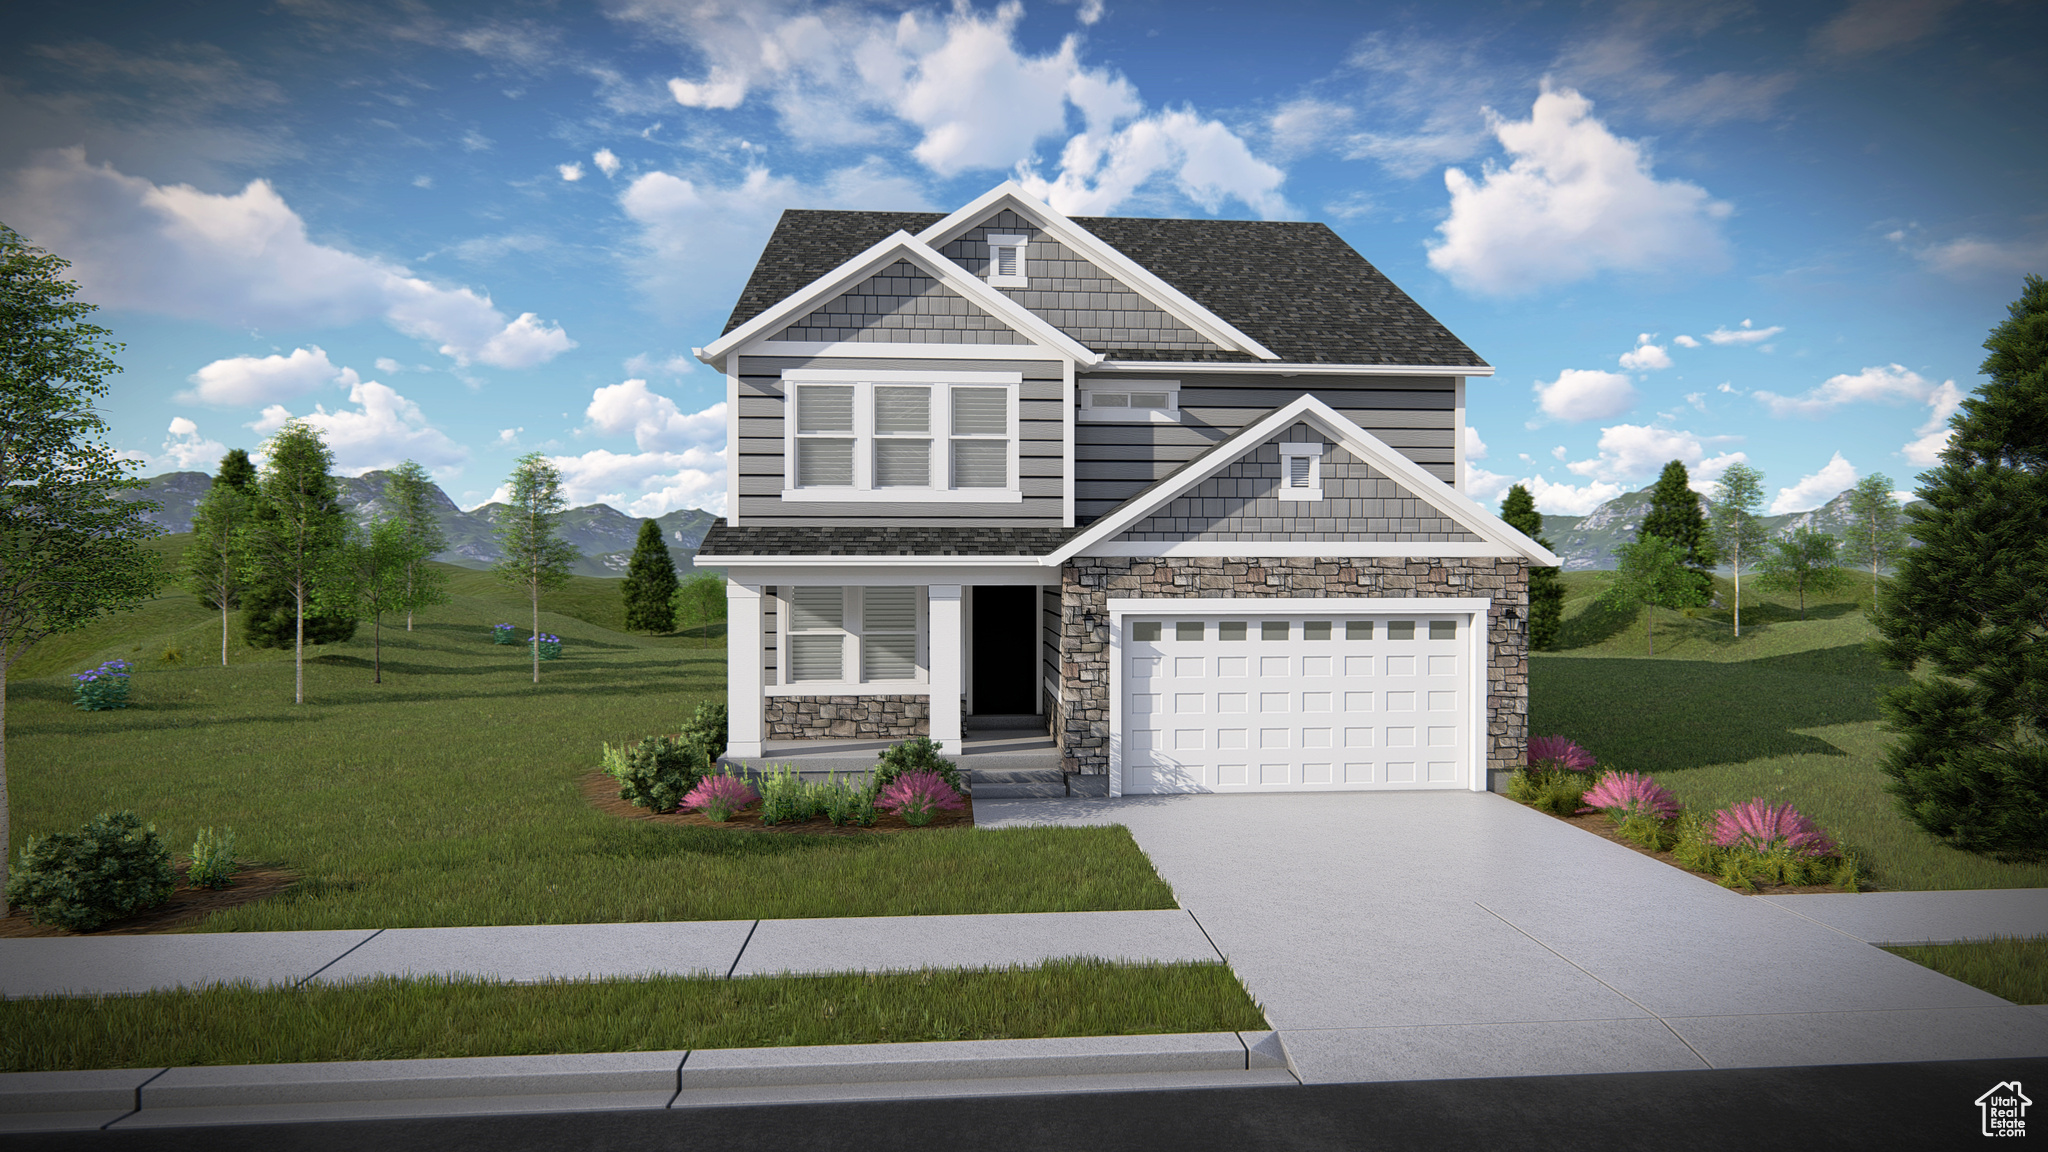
pixel 811 349
pixel 901 495
pixel 939 436
pixel 1069 397
pixel 1021 278
pixel 1311 410
pixel 1293 451
pixel 891 562
pixel 1291 605
pixel 1458 434
pixel 744 669
pixel 1089 414
pixel 1291 369
pixel 945 627
pixel 1334 549
pixel 732 440
pixel 850 688
pixel 1134 275
pixel 867 376
pixel 905 247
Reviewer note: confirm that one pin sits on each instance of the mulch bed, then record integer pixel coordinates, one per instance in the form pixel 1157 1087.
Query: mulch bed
pixel 1599 825
pixel 187 907
pixel 603 794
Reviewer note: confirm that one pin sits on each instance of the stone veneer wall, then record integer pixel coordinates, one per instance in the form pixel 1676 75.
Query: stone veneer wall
pixel 1087 584
pixel 846 717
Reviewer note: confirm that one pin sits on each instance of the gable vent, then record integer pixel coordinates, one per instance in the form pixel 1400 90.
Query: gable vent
pixel 1006 261
pixel 1301 471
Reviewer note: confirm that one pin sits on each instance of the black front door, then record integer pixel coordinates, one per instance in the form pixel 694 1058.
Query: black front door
pixel 1005 650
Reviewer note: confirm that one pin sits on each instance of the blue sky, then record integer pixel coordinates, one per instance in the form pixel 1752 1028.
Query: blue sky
pixel 1776 233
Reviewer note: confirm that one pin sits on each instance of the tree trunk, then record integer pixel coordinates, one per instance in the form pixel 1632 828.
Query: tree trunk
pixel 535 589
pixel 1738 591
pixel 377 647
pixel 299 644
pixel 1649 621
pixel 223 631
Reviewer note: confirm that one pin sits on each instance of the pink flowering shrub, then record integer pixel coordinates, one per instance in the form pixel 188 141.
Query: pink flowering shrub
pixel 1759 826
pixel 720 796
pixel 1552 752
pixel 1632 792
pixel 918 796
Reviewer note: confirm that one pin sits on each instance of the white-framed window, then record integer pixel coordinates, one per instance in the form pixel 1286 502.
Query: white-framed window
pixel 1301 471
pixel 835 636
pixel 1130 402
pixel 1006 261
pixel 901 436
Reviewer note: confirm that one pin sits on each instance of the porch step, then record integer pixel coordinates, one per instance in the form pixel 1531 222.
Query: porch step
pixel 1003 784
pixel 985 723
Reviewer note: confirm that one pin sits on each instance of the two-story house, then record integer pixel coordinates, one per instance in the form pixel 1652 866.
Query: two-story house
pixel 1186 489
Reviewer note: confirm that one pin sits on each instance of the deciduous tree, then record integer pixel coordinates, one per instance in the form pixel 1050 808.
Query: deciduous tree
pixel 1738 535
pixel 296 530
pixel 1653 575
pixel 533 554
pixel 1875 536
pixel 409 492
pixel 1546 590
pixel 650 585
pixel 369 578
pixel 213 561
pixel 700 600
pixel 69 551
pixel 1968 610
pixel 1804 562
pixel 1675 516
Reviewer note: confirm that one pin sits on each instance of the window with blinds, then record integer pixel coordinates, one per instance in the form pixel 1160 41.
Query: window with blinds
pixel 824 435
pixel 817 634
pixel 846 635
pixel 903 436
pixel 888 640
pixel 951 439
pixel 981 438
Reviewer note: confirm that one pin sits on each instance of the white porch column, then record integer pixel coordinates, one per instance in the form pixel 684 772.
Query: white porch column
pixel 946 678
pixel 743 669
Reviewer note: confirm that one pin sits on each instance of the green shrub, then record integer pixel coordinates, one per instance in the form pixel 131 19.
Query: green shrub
pixel 706 730
pixel 658 773
pixel 1557 791
pixel 918 754
pixel 1645 829
pixel 1743 866
pixel 849 801
pixel 112 868
pixel 785 798
pixel 213 860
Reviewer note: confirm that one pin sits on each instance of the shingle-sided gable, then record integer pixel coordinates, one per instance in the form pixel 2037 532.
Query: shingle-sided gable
pixel 1242 502
pixel 901 304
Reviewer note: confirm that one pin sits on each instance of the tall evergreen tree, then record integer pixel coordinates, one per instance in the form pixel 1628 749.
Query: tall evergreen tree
pixel 237 471
pixel 409 492
pixel 1971 605
pixel 213 562
pixel 295 532
pixel 1875 536
pixel 70 551
pixel 533 556
pixel 1738 536
pixel 1546 590
pixel 1675 517
pixel 650 586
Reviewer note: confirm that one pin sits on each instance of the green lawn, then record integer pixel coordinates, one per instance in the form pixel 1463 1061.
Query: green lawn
pixel 2013 968
pixel 1788 713
pixel 396 1019
pixel 447 794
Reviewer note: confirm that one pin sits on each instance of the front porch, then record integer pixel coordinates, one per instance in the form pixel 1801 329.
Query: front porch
pixel 1000 756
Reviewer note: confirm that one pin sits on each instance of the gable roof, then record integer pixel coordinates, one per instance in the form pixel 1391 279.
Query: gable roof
pixel 1497 535
pixel 1296 289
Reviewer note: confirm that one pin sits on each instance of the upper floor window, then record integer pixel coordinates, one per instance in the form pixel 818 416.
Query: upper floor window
pixel 1130 402
pixel 1006 261
pixel 903 437
pixel 1301 471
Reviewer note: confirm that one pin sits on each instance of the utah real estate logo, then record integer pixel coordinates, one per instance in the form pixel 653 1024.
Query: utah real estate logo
pixel 2004 1110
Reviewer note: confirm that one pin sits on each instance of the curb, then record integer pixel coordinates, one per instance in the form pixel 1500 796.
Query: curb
pixel 393 1089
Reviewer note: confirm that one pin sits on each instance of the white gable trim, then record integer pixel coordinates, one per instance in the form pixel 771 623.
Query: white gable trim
pixel 899 246
pixel 1450 503
pixel 1291 369
pixel 1141 280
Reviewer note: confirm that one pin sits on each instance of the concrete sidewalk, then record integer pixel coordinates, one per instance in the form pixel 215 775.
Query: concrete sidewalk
pixel 1925 917
pixel 83 965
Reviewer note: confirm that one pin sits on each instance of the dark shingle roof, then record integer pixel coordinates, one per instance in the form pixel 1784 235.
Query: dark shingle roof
pixel 858 541
pixel 1299 289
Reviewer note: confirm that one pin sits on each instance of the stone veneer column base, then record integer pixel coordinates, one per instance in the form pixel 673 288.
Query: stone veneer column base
pixel 1086 585
pixel 847 717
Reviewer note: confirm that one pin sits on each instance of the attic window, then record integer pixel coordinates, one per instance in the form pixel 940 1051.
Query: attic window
pixel 1006 261
pixel 1130 402
pixel 1301 472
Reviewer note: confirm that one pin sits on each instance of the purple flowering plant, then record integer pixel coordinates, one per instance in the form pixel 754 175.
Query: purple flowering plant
pixel 103 688
pixel 718 797
pixel 1628 793
pixel 1550 753
pixel 1762 827
pixel 918 796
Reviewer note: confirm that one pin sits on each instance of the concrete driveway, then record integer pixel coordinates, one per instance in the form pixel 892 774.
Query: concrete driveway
pixel 1424 935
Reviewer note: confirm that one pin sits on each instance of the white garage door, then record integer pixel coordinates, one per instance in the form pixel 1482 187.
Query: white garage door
pixel 1316 701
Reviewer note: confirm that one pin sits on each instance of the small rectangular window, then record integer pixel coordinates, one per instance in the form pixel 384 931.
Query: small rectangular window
pixel 1400 629
pixel 1007 267
pixel 1230 630
pixel 1301 471
pixel 1315 630
pixel 1443 629
pixel 1188 630
pixel 1147 630
pixel 1358 629
pixel 1130 402
pixel 1272 629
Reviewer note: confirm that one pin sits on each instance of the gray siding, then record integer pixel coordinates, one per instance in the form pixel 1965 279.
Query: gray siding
pixel 1416 416
pixel 759 462
pixel 901 305
pixel 1241 502
pixel 1080 299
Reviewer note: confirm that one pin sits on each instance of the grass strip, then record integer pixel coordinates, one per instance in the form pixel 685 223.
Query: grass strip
pixel 391 1018
pixel 2011 968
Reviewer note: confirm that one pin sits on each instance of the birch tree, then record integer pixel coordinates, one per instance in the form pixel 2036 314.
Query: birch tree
pixel 1875 535
pixel 1738 533
pixel 534 556
pixel 295 529
pixel 408 492
pixel 213 561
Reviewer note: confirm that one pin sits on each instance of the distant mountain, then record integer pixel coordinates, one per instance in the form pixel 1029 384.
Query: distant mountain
pixel 1587 543
pixel 603 534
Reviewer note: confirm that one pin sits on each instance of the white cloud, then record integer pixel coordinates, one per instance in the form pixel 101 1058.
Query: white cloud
pixel 645 364
pixel 1090 12
pixel 656 423
pixel 1300 126
pixel 244 259
pixel 1973 257
pixel 1586 394
pixel 1486 487
pixel 1737 336
pixel 1836 477
pixel 1576 200
pixel 387 365
pixel 1206 162
pixel 510 436
pixel 1886 384
pixel 383 431
pixel 606 162
pixel 1475 448
pixel 571 172
pixel 240 381
pixel 1630 451
pixel 644 484
pixel 187 451
pixel 1568 500
pixel 1645 357
pixel 719 90
pixel 1685 341
pixel 1934 435
pixel 1423 101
